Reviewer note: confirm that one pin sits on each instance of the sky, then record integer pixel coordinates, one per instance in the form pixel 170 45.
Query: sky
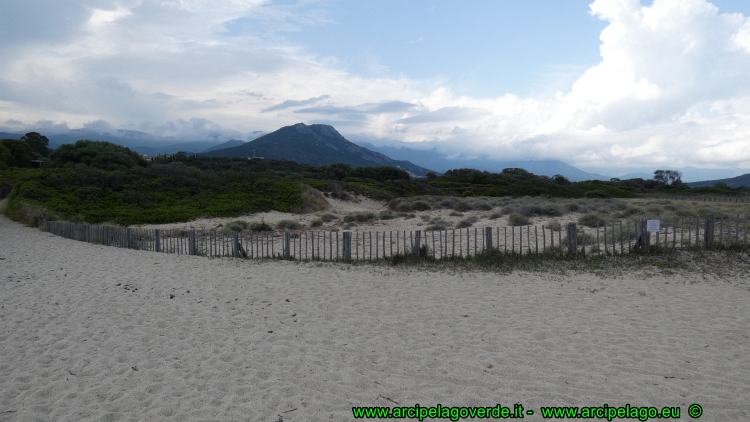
pixel 597 84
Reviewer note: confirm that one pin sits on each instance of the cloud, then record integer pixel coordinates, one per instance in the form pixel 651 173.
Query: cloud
pixel 292 103
pixel 364 109
pixel 671 86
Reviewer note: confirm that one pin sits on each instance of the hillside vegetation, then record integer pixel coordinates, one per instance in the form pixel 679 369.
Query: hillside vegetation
pixel 99 182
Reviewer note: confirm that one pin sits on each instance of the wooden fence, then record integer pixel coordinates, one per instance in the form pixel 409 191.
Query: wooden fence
pixel 614 238
pixel 743 199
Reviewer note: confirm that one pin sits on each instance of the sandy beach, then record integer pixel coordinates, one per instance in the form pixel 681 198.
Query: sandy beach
pixel 98 333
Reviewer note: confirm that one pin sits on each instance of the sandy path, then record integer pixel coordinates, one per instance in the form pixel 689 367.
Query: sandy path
pixel 90 333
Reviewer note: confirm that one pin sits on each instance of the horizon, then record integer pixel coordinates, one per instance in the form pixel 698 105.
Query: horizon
pixel 608 84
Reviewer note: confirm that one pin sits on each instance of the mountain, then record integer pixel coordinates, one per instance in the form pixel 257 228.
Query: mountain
pixel 6 135
pixel 228 144
pixel 315 145
pixel 733 182
pixel 442 163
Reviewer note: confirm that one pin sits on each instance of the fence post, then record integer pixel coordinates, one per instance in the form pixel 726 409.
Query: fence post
pixel 645 238
pixel 709 232
pixel 488 239
pixel 105 241
pixel 417 242
pixel 572 238
pixel 128 235
pixel 287 243
pixel 347 248
pixel 157 240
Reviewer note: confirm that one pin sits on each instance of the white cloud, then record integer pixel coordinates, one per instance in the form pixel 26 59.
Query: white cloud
pixel 672 84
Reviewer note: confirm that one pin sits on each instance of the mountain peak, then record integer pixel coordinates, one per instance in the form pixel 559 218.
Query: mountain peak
pixel 315 144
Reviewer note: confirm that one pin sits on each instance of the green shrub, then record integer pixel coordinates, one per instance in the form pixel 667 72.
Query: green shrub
pixel 463 206
pixel 598 194
pixel 317 223
pixel 261 226
pixel 592 220
pixel 404 207
pixel 573 207
pixel 495 215
pixel 420 206
pixel 466 222
pixel 456 214
pixel 287 225
pixel 312 200
pixel 482 205
pixel 327 217
pixel 236 226
pixel 554 225
pixel 359 217
pixel 436 227
pixel 518 220
pixel 387 215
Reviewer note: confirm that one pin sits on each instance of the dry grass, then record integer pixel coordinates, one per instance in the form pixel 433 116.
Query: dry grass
pixel 312 200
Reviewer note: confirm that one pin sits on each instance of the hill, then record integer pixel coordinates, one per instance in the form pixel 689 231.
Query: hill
pixel 442 163
pixel 732 182
pixel 228 144
pixel 315 145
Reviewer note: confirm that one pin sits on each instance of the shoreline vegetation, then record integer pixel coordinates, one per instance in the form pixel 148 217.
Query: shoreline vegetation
pixel 99 182
pixel 102 183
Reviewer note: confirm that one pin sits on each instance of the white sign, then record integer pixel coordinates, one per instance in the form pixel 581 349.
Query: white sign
pixel 652 225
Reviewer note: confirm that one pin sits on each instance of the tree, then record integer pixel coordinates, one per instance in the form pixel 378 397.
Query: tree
pixel 672 177
pixel 15 153
pixel 102 155
pixel 560 179
pixel 39 144
pixel 431 175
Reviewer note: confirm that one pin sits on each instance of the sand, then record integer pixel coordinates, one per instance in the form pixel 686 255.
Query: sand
pixel 105 334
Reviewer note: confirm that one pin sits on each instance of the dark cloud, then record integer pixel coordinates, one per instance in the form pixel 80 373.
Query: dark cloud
pixel 293 103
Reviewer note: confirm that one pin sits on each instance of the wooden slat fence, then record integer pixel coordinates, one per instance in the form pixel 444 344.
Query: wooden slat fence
pixel 613 238
pixel 743 199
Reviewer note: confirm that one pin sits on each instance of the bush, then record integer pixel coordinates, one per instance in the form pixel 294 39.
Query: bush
pixel 236 226
pixel 456 214
pixel 592 220
pixel 404 207
pixel 437 227
pixel 101 155
pixel 312 200
pixel 554 225
pixel 261 226
pixel 552 211
pixel 628 212
pixel 530 210
pixel 359 217
pixel 288 225
pixel 573 207
pixel 597 194
pixel 495 215
pixel 466 222
pixel 516 219
pixel 482 205
pixel 463 206
pixel 327 217
pixel 387 215
pixel 421 206
pixel 317 223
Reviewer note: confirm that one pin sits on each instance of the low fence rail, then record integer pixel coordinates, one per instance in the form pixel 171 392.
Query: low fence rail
pixel 614 238
pixel 699 198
